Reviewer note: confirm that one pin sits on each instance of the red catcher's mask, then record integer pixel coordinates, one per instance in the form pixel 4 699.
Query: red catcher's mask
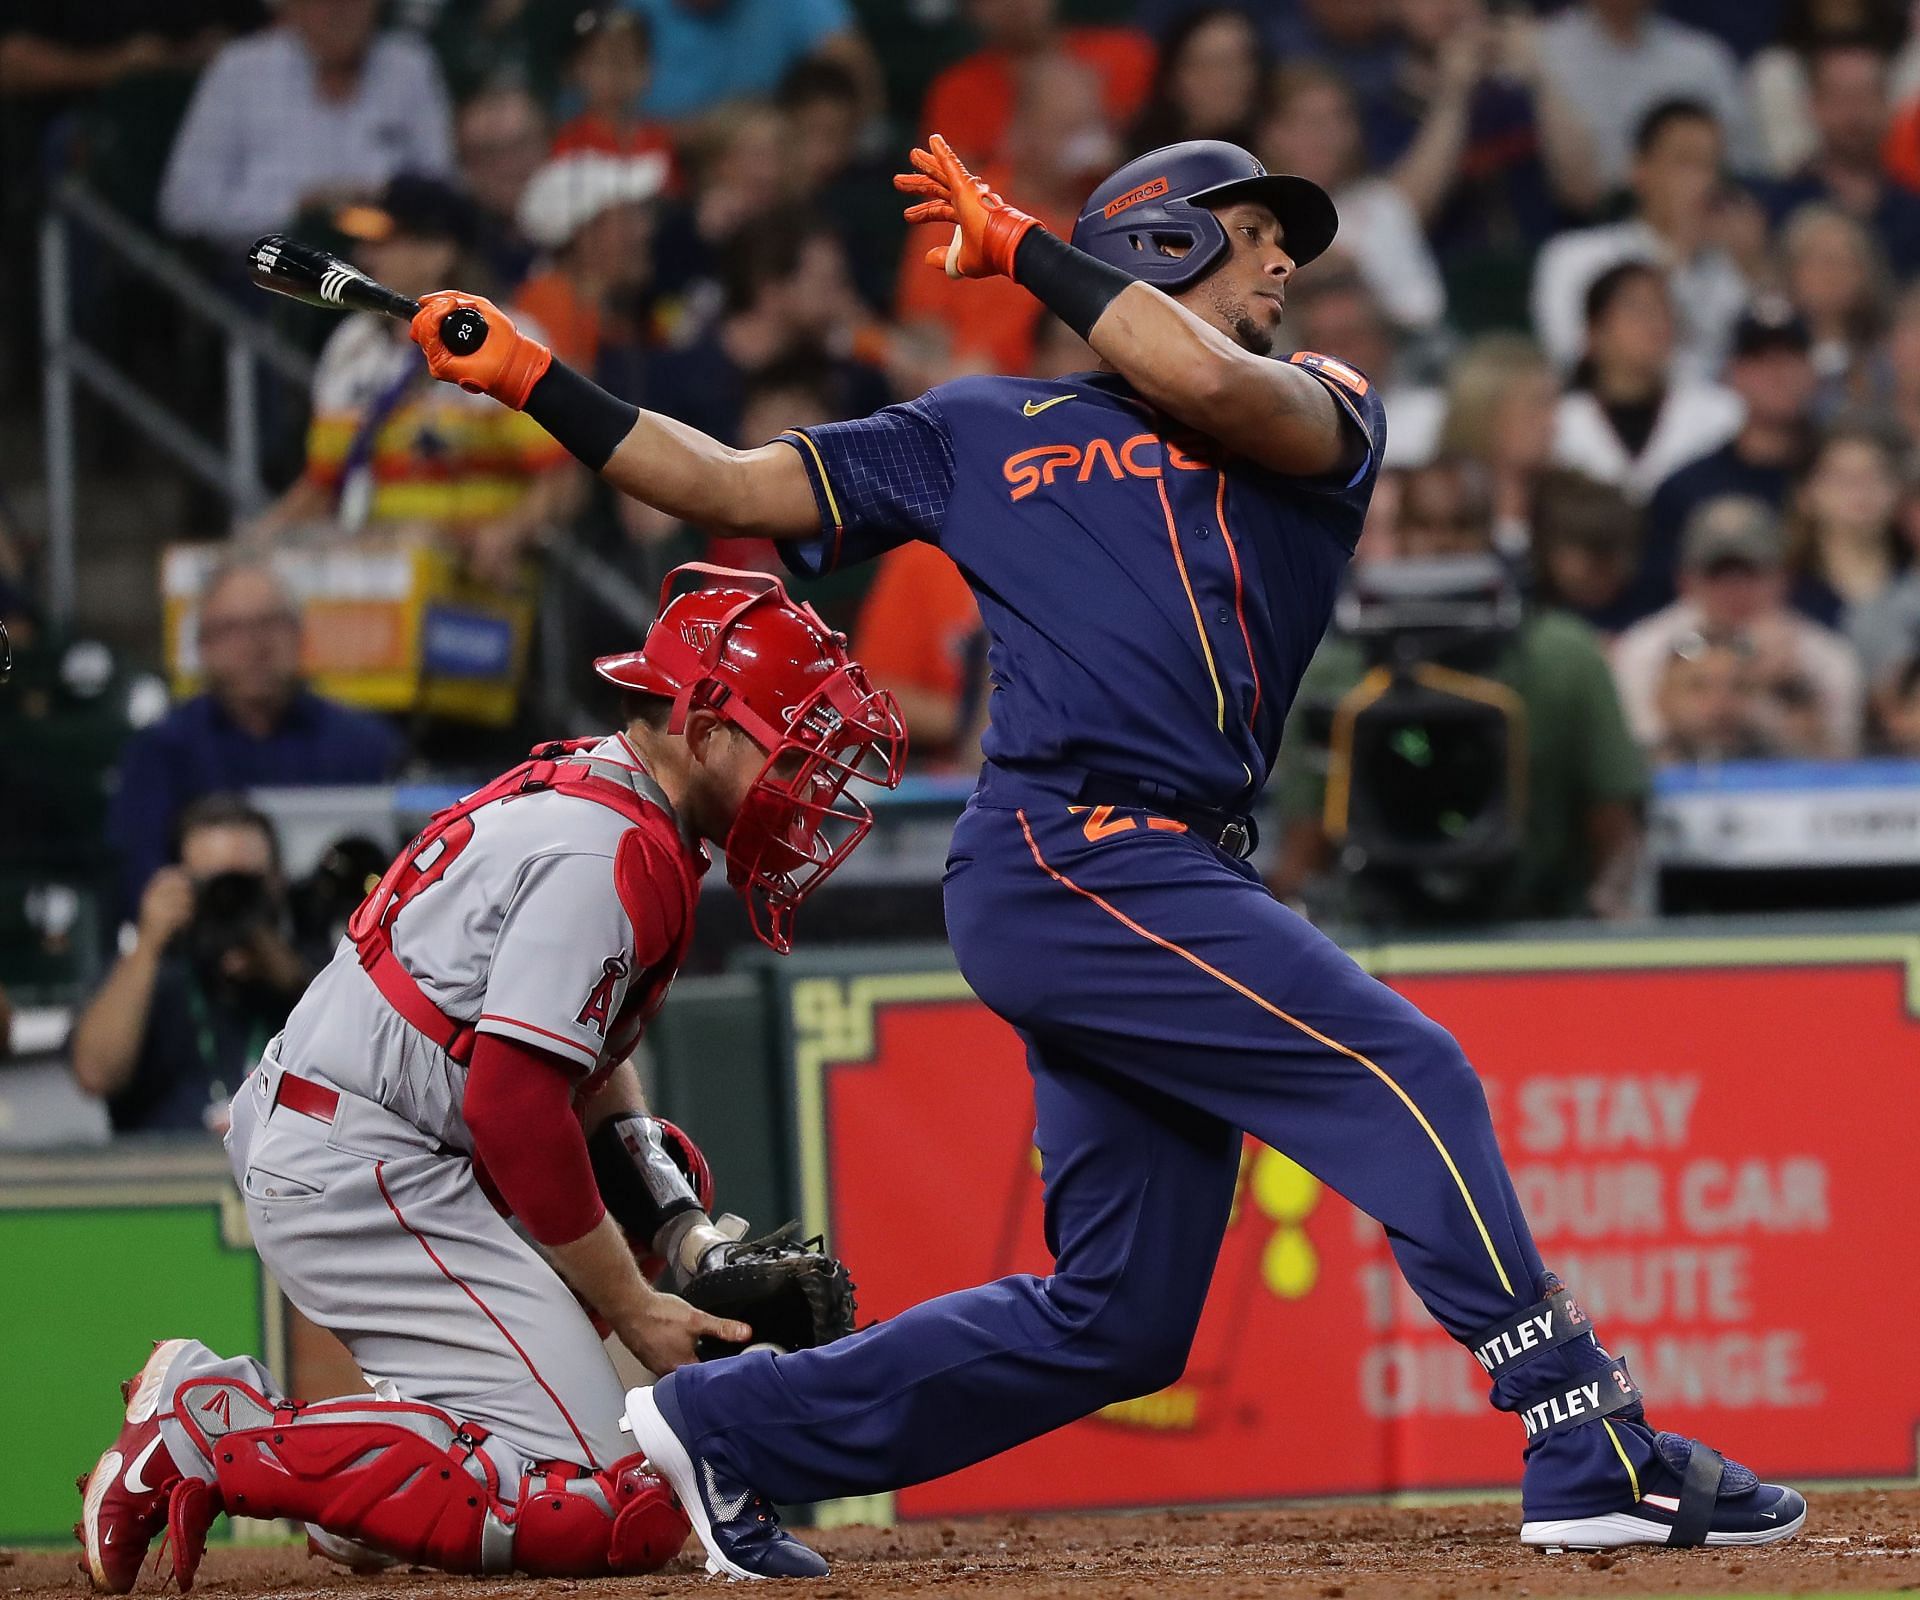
pixel 742 648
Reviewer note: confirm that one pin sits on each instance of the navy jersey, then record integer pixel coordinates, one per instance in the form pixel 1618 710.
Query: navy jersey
pixel 1151 605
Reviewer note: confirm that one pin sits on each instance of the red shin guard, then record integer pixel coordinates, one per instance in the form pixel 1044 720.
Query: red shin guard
pixel 411 1481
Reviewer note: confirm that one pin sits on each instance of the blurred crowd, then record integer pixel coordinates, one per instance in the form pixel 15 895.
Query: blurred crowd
pixel 1638 282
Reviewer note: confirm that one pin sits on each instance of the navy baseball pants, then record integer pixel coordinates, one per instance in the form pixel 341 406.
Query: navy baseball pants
pixel 1168 1002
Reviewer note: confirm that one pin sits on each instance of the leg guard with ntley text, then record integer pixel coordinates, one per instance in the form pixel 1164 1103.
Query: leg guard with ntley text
pixel 413 1482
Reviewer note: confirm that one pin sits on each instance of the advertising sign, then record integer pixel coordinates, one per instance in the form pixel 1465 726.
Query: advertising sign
pixel 1712 1139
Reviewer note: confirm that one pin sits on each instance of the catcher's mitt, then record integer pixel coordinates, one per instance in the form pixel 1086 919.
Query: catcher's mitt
pixel 789 1291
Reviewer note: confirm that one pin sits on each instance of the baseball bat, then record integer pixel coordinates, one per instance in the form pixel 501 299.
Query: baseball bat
pixel 321 278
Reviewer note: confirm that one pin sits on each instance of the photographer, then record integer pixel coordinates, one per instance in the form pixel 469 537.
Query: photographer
pixel 210 978
pixel 1577 830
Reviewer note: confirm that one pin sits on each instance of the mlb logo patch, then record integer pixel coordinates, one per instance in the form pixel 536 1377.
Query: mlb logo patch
pixel 1339 371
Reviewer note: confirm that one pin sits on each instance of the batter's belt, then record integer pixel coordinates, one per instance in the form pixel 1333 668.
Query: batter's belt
pixel 1234 833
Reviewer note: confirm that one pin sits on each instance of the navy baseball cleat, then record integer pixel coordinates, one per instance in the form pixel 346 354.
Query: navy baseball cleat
pixel 742 1535
pixel 1690 1495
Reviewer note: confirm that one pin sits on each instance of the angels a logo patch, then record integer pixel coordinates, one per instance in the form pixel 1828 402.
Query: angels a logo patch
pixel 599 1004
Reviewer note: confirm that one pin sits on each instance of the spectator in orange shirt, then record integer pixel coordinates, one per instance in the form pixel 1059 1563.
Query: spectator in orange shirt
pixel 919 634
pixel 974 103
pixel 611 65
pixel 1062 145
pixel 593 213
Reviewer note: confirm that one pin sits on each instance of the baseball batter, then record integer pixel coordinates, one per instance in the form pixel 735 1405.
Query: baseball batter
pixel 432 1135
pixel 1156 547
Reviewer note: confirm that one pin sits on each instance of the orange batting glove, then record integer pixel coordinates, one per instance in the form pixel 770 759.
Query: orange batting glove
pixel 986 230
pixel 507 366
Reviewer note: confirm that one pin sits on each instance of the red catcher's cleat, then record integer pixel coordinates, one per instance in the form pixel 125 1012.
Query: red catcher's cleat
pixel 135 1489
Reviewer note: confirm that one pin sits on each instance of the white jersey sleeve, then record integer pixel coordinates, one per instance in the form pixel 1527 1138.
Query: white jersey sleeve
pixel 562 959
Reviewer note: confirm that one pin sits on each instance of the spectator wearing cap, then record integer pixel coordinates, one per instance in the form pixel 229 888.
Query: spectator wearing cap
pixel 609 70
pixel 1771 372
pixel 318 109
pixel 1615 60
pixel 256 725
pixel 594 216
pixel 979 103
pixel 1628 417
pixel 1707 704
pixel 1586 783
pixel 708 52
pixel 1676 186
pixel 391 452
pixel 1312 127
pixel 1844 547
pixel 1733 582
pixel 1847 99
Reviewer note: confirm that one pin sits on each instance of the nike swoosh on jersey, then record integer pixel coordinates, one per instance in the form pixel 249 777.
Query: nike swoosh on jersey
pixel 135 1483
pixel 1033 409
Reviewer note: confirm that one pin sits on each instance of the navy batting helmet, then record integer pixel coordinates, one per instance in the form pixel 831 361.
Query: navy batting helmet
pixel 1166 196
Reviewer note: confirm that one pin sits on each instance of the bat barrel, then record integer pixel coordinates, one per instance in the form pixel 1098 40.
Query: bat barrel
pixel 320 278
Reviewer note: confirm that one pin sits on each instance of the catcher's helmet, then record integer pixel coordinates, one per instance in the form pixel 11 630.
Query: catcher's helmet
pixel 1165 197
pixel 740 647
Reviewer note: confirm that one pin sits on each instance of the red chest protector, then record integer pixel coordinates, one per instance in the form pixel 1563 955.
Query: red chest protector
pixel 556 768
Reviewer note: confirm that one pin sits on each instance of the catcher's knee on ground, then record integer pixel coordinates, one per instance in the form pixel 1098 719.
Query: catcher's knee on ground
pixel 413 1482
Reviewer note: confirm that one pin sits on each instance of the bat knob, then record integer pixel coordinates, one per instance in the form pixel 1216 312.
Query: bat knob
pixel 463 331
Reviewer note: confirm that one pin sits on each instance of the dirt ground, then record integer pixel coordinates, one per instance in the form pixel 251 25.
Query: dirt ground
pixel 1853 1542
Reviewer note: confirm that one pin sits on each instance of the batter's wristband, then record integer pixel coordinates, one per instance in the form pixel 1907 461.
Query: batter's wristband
pixel 1068 282
pixel 587 420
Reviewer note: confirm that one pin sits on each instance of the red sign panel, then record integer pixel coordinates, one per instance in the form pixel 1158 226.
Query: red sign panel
pixel 1716 1158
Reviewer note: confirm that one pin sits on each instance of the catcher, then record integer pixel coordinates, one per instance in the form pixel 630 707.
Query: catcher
pixel 448 1137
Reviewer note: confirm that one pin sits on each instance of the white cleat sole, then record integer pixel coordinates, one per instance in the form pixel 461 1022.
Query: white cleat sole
pixel 668 1457
pixel 105 1471
pixel 1619 1528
